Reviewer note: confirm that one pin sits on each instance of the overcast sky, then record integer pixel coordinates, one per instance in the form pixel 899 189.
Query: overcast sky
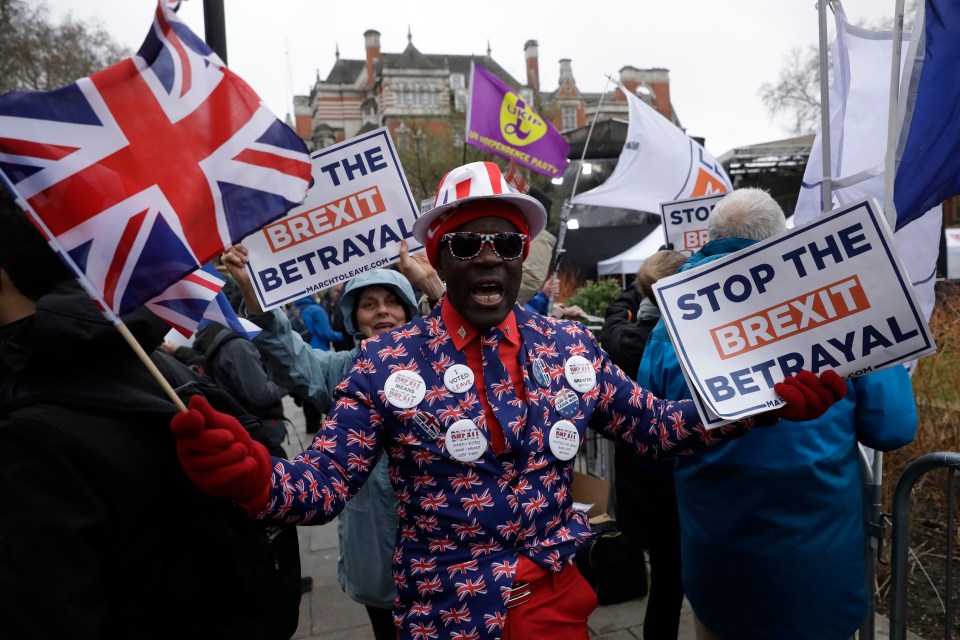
pixel 718 53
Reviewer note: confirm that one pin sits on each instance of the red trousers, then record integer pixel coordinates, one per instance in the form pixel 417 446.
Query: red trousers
pixel 558 607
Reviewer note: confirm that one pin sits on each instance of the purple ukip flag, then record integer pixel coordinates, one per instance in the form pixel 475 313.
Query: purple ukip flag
pixel 501 122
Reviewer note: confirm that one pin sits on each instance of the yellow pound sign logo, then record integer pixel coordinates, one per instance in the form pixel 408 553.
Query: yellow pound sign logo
pixel 519 125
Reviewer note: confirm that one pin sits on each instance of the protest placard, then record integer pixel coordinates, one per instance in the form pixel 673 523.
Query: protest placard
pixel 830 294
pixel 353 219
pixel 685 221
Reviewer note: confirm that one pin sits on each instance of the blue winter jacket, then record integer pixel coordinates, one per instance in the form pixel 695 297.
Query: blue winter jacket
pixel 317 321
pixel 771 525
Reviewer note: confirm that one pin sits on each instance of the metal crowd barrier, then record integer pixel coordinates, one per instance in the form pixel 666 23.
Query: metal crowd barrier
pixel 901 537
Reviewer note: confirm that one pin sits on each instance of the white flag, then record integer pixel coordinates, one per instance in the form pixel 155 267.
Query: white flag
pixel 859 104
pixel 659 163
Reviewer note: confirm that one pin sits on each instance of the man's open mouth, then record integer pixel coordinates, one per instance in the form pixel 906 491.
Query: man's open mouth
pixel 488 293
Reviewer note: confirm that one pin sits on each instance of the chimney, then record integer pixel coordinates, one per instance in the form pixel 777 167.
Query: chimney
pixel 303 116
pixel 532 55
pixel 630 79
pixel 372 40
pixel 659 81
pixel 566 71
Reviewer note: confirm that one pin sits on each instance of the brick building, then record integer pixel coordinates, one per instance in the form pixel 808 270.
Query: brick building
pixel 412 93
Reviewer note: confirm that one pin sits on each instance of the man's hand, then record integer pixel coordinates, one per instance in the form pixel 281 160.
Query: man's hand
pixel 235 259
pixel 420 272
pixel 220 457
pixel 809 397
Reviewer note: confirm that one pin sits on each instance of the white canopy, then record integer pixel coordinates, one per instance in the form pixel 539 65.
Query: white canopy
pixel 630 260
pixel 953 253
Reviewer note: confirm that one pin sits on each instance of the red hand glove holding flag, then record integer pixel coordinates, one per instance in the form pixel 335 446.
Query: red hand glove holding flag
pixel 220 457
pixel 807 396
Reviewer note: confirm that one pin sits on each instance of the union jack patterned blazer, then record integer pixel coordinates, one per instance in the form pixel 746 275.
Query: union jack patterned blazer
pixel 463 525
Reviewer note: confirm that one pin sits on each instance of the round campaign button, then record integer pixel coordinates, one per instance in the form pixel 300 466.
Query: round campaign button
pixel 540 373
pixel 458 378
pixel 566 403
pixel 564 440
pixel 465 441
pixel 580 373
pixel 404 389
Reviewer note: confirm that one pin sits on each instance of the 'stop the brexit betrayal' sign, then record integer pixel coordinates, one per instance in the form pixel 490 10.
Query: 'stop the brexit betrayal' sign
pixel 830 294
pixel 685 221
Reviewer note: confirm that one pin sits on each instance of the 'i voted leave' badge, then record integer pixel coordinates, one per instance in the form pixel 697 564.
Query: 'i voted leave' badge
pixel 458 378
pixel 540 373
pixel 580 373
pixel 465 441
pixel 404 389
pixel 564 440
pixel 566 403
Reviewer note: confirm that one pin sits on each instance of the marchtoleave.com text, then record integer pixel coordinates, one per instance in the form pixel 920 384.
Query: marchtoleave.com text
pixel 343 277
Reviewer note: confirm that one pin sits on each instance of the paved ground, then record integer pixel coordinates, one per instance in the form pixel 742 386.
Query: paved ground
pixel 326 613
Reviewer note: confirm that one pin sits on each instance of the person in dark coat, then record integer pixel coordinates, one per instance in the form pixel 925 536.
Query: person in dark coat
pixel 646 505
pixel 234 364
pixel 88 542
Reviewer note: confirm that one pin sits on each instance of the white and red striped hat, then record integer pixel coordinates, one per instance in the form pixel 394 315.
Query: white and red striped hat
pixel 478 181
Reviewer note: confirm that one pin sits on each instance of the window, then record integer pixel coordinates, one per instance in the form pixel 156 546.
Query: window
pixel 569 116
pixel 457 81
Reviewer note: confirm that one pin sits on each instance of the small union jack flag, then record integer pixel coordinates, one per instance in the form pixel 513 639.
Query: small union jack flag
pixel 197 301
pixel 184 303
pixel 147 169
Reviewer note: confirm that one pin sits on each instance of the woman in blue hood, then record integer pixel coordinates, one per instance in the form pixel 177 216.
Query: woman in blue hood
pixel 372 303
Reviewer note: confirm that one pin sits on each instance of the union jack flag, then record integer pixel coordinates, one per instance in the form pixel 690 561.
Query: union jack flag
pixel 184 303
pixel 145 170
pixel 197 301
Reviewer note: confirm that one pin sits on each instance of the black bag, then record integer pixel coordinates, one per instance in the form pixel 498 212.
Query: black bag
pixel 203 368
pixel 614 568
pixel 234 577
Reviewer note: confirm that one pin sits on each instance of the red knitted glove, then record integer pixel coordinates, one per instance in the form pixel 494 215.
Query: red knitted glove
pixel 219 456
pixel 809 397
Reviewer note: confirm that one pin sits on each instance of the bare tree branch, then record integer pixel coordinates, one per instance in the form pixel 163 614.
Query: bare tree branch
pixel 36 53
pixel 796 94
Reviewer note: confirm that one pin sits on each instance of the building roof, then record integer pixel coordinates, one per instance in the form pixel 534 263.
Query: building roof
pixel 799 145
pixel 346 71
pixel 411 58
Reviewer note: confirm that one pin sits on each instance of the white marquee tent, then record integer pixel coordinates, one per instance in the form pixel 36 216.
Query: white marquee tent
pixel 630 260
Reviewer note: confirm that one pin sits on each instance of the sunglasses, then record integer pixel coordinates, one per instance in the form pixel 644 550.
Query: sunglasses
pixel 466 245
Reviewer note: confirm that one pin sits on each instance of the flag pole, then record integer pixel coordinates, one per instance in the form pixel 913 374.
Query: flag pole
pixel 567 206
pixel 95 295
pixel 583 154
pixel 890 209
pixel 875 486
pixel 826 190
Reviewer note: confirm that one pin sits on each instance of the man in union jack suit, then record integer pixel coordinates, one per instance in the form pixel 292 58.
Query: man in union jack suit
pixel 481 407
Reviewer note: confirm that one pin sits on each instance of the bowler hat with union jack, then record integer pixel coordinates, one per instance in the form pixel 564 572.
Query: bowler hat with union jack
pixel 472 182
